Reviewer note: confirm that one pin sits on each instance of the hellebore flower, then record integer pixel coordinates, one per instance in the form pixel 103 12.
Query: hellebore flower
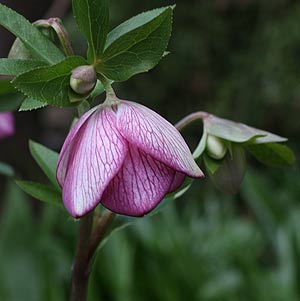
pixel 223 147
pixel 124 156
pixel 7 124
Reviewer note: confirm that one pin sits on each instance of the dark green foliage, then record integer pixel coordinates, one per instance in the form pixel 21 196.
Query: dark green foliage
pixel 238 60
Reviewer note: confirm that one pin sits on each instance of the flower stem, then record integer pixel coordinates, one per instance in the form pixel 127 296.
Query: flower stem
pixel 99 232
pixel 87 244
pixel 80 270
pixel 110 93
pixel 180 125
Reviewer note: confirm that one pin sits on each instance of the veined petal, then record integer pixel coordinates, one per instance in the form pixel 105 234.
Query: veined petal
pixel 67 147
pixel 95 158
pixel 177 181
pixel 140 185
pixel 156 136
pixel 7 125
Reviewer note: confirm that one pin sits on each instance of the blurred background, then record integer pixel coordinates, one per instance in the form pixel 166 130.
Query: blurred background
pixel 238 59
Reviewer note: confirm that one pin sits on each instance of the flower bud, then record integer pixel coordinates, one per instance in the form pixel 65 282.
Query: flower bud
pixel 83 79
pixel 215 147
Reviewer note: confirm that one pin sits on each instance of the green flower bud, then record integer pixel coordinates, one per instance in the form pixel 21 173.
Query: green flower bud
pixel 83 79
pixel 215 147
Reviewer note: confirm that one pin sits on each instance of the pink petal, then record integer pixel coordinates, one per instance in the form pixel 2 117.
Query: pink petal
pixel 177 181
pixel 140 185
pixel 95 158
pixel 7 124
pixel 67 147
pixel 156 136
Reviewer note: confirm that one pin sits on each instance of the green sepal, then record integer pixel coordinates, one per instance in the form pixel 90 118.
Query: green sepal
pixel 229 175
pixel 211 164
pixel 201 146
pixel 272 154
pixel 237 132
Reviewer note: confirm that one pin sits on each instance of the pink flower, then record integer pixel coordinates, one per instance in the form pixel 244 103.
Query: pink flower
pixel 7 124
pixel 124 156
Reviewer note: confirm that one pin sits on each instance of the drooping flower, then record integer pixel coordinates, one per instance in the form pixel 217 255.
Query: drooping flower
pixel 223 148
pixel 124 156
pixel 7 124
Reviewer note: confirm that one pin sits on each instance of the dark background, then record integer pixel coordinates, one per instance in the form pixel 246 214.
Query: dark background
pixel 238 59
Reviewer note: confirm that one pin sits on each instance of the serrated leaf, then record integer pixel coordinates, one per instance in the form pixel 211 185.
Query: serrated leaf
pixel 15 67
pixel 42 192
pixel 230 174
pixel 6 170
pixel 29 104
pixel 272 154
pixel 46 159
pixel 49 84
pixel 29 35
pixel 136 45
pixel 92 17
pixel 237 132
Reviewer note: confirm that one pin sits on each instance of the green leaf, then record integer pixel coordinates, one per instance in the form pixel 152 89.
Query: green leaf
pixel 31 104
pixel 237 132
pixel 49 84
pixel 29 35
pixel 136 45
pixel 6 170
pixel 16 67
pixel 230 174
pixel 46 159
pixel 42 192
pixel 272 154
pixel 92 17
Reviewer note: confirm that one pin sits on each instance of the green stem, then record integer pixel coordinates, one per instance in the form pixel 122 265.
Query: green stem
pixel 80 270
pixel 87 244
pixel 110 93
pixel 99 232
pixel 180 125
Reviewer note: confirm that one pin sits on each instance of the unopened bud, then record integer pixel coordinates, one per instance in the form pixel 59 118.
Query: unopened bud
pixel 215 147
pixel 83 79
